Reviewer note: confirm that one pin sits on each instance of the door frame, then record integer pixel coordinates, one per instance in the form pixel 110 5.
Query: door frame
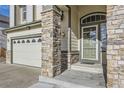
pixel 97 45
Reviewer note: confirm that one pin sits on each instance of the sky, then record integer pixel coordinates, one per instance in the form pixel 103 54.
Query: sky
pixel 4 10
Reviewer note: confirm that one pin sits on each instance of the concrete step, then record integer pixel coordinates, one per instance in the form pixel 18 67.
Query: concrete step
pixel 91 68
pixel 73 79
pixel 80 76
pixel 53 82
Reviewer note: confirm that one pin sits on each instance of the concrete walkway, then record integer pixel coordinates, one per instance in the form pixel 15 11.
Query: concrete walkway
pixel 80 76
pixel 17 76
pixel 92 80
pixel 72 79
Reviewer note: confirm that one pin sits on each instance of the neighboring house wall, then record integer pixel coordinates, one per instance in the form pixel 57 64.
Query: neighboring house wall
pixel 4 23
pixel 2 46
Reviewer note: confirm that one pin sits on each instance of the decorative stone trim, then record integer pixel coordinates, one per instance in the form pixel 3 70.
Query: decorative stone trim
pixel 64 60
pixel 74 57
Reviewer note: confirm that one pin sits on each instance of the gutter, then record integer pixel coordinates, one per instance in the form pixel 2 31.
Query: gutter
pixel 69 24
pixel 27 26
pixel 69 37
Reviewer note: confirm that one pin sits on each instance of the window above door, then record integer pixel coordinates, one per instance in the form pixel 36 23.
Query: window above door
pixel 94 17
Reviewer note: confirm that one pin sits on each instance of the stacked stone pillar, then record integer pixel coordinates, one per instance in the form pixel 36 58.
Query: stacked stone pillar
pixel 51 42
pixel 115 46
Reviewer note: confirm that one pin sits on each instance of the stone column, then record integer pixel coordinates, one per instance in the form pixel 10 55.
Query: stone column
pixel 115 46
pixel 51 42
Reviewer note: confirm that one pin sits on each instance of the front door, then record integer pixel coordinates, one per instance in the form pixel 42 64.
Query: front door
pixel 89 47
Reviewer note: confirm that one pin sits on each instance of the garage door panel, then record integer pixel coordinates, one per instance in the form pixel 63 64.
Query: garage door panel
pixel 27 53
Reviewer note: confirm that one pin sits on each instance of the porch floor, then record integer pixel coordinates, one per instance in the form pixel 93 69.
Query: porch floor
pixel 91 80
pixel 76 78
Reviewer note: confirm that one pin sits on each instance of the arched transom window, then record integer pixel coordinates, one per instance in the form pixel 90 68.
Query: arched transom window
pixel 94 17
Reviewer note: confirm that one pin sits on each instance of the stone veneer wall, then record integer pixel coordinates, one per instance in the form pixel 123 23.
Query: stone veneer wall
pixel 74 57
pixel 51 43
pixel 115 46
pixel 64 60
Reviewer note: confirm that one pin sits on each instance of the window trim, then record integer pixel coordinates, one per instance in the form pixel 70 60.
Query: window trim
pixel 22 12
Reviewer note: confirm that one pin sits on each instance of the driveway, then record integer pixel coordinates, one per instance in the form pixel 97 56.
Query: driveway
pixel 18 76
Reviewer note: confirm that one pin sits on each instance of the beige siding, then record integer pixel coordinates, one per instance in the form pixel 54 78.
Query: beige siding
pixel 30 13
pixel 38 10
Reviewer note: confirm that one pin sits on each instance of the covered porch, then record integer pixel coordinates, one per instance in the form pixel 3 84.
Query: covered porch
pixel 59 53
pixel 87 39
pixel 80 44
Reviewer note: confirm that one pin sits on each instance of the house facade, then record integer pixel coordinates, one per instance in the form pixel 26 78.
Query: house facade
pixel 55 37
pixel 4 23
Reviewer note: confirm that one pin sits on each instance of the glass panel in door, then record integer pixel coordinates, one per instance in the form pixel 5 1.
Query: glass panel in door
pixel 90 43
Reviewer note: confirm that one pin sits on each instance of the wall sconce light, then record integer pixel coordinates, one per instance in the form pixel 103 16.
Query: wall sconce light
pixel 62 15
pixel 63 34
pixel 28 27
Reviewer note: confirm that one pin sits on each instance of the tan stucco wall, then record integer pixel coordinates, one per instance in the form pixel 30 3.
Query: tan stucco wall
pixel 64 29
pixel 86 9
pixel 74 26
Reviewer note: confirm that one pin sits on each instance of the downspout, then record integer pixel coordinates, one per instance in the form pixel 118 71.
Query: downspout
pixel 15 15
pixel 69 36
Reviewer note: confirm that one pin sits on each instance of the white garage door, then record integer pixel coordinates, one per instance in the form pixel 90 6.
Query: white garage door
pixel 27 51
